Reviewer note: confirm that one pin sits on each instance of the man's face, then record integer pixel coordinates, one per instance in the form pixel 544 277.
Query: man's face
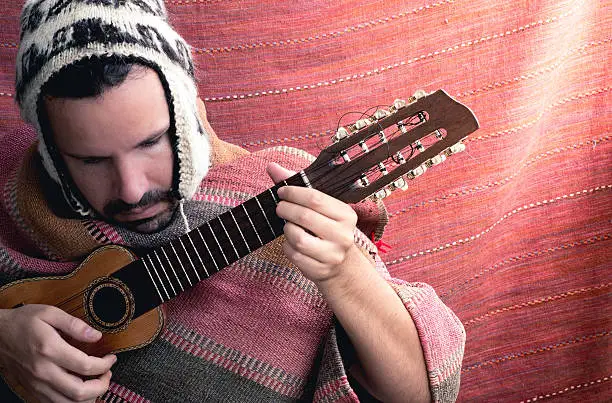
pixel 117 150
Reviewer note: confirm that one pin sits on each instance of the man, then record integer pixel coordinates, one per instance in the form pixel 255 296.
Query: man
pixel 125 154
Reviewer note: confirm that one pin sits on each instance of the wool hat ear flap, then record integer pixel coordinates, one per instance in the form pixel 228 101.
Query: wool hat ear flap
pixel 55 167
pixel 56 34
pixel 193 147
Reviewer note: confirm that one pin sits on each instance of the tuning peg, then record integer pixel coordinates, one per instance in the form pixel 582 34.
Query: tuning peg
pixel 345 156
pixel 400 183
pixel 419 94
pixel 436 160
pixel 340 134
pixel 383 138
pixel 419 146
pixel 364 181
pixel 418 171
pixel 383 168
pixel 364 146
pixel 382 193
pixel 361 123
pixel 455 148
pixel 381 113
pixel 398 104
pixel 400 158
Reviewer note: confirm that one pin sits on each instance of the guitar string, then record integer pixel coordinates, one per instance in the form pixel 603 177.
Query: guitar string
pixel 81 293
pixel 391 136
pixel 335 187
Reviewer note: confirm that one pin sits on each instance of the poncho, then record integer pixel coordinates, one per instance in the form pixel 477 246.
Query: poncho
pixel 256 331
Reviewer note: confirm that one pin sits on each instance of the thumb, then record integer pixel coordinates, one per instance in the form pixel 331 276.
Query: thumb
pixel 70 325
pixel 278 173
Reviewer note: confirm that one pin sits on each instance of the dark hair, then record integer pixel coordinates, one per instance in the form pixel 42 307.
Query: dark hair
pixel 88 77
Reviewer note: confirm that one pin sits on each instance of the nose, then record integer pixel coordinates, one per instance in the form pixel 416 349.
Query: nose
pixel 131 181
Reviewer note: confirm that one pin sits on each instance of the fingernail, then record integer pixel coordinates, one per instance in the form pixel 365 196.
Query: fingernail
pixel 92 333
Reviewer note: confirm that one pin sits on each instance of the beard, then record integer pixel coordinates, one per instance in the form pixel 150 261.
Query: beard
pixel 146 225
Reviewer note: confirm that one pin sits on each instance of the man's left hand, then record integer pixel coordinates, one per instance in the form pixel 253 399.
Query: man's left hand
pixel 319 231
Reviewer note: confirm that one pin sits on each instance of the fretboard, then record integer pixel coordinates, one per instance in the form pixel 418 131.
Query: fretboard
pixel 167 271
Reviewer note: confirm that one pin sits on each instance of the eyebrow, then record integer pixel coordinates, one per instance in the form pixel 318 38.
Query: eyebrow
pixel 148 139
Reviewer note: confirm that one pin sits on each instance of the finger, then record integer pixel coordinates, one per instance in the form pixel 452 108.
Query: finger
pixel 57 357
pixel 74 360
pixel 316 223
pixel 63 354
pixel 87 365
pixel 73 388
pixel 320 251
pixel 308 219
pixel 59 381
pixel 278 173
pixel 305 263
pixel 69 325
pixel 98 386
pixel 46 394
pixel 319 202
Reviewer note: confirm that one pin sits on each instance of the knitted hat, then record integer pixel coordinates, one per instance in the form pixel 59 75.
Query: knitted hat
pixel 58 33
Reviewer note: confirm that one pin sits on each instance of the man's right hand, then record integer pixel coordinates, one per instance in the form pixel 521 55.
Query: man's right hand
pixel 32 348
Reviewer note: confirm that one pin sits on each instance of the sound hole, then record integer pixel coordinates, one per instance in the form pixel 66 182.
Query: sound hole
pixel 109 305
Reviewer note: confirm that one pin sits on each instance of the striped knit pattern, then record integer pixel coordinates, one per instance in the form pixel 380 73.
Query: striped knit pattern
pixel 514 234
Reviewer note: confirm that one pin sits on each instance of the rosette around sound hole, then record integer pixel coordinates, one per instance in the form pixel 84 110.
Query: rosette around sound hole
pixel 109 304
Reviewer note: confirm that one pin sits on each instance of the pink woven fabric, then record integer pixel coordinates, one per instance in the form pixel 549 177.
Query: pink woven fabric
pixel 515 233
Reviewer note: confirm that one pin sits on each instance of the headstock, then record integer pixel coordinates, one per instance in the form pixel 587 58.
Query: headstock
pixel 383 151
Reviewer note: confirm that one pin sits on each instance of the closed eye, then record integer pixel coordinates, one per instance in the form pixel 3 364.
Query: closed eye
pixel 151 142
pixel 92 161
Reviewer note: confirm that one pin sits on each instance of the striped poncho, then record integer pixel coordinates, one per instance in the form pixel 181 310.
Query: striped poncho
pixel 257 331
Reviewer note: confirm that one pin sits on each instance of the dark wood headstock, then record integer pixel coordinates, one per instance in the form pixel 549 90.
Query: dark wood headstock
pixel 384 150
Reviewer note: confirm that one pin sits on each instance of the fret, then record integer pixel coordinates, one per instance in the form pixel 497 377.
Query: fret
pixel 305 179
pixel 228 237
pixel 147 288
pixel 261 243
pixel 158 276
pixel 274 197
pixel 277 200
pixel 208 249
pixel 217 242
pixel 296 180
pixel 153 281
pixel 198 255
pixel 178 258
pixel 239 230
pixel 233 230
pixel 256 214
pixel 265 216
pixel 268 201
pixel 189 257
pixel 172 268
pixel 162 267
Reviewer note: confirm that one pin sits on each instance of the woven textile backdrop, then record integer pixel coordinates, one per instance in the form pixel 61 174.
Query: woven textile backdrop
pixel 514 233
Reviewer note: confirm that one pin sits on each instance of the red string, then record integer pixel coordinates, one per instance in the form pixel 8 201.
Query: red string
pixel 381 245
